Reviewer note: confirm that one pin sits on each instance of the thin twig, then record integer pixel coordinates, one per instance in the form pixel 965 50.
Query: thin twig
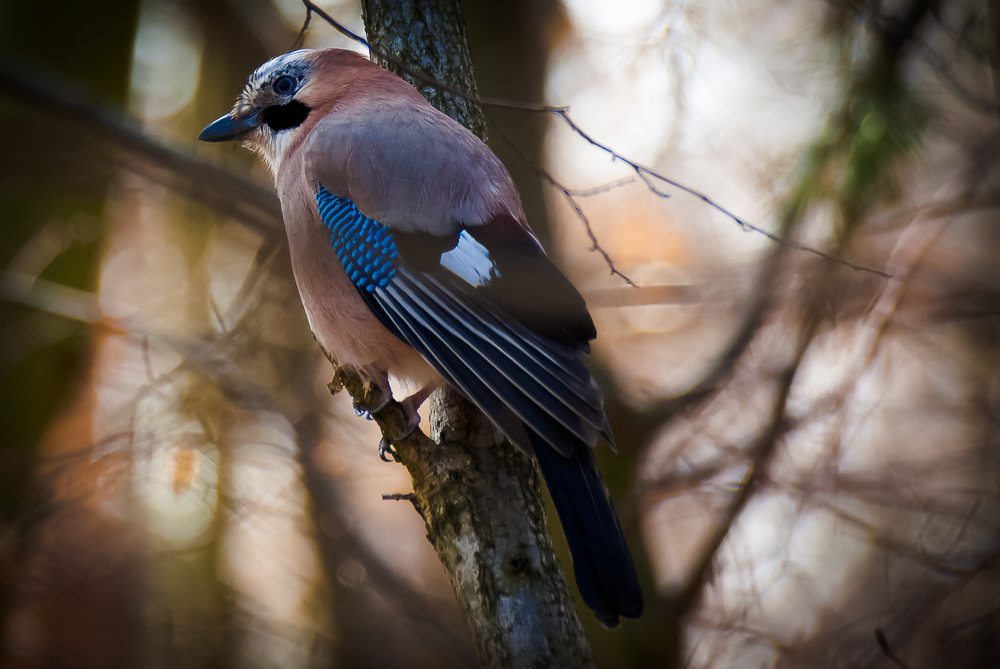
pixel 595 246
pixel 603 188
pixel 404 497
pixel 644 172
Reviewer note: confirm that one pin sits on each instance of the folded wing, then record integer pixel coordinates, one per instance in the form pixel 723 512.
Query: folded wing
pixel 488 310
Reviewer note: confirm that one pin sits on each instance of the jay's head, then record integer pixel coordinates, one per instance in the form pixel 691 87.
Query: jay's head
pixel 284 98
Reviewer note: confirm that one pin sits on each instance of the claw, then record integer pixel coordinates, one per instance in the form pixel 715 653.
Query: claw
pixel 362 413
pixel 386 452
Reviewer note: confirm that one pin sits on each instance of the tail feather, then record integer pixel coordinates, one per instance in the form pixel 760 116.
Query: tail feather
pixel 602 563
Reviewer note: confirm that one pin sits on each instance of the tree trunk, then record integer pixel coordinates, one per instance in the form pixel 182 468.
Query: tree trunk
pixel 479 496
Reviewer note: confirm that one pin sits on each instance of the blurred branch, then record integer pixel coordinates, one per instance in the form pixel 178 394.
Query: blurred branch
pixel 760 454
pixel 834 149
pixel 883 645
pixel 943 69
pixel 251 204
pixel 641 295
pixel 337 542
pixel 962 40
pixel 604 188
pixel 878 539
pixel 52 297
pixel 993 46
pixel 675 483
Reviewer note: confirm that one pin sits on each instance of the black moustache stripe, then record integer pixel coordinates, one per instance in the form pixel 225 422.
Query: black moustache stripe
pixel 282 117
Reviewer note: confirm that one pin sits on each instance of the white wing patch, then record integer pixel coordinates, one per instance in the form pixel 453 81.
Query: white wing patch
pixel 470 260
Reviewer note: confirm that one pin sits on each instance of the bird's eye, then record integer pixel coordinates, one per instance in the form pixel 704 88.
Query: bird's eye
pixel 284 85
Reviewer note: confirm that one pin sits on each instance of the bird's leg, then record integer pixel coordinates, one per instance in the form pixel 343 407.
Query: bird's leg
pixel 410 405
pixel 379 381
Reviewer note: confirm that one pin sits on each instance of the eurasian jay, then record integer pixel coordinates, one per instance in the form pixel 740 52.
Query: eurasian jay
pixel 413 259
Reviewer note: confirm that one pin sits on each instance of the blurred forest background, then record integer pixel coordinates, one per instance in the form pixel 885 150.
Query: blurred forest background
pixel 808 451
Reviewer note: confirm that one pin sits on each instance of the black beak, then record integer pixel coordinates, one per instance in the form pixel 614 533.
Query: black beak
pixel 226 128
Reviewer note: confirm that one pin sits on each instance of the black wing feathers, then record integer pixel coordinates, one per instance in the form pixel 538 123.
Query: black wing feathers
pixel 531 288
pixel 528 287
pixel 423 251
pixel 490 360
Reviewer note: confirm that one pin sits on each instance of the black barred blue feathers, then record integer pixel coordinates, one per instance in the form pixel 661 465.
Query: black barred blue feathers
pixel 364 246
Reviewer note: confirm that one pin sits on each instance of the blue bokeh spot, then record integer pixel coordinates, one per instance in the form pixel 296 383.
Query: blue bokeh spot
pixel 363 245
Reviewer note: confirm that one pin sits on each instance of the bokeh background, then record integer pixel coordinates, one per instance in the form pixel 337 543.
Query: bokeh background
pixel 808 451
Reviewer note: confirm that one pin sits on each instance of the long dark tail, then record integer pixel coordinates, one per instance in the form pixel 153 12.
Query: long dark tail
pixel 602 562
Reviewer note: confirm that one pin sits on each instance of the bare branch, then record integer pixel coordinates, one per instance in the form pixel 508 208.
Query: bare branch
pixel 574 205
pixel 643 172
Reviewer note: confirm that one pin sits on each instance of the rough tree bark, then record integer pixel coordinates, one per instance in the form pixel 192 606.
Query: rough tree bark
pixel 479 496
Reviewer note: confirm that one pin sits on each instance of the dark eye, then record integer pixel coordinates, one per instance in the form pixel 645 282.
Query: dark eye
pixel 284 85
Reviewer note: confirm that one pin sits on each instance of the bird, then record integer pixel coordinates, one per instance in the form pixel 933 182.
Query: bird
pixel 414 259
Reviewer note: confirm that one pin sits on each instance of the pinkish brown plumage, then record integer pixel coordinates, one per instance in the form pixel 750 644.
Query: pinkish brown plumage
pixel 413 258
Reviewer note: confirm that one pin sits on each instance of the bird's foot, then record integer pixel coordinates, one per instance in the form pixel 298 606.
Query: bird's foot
pixel 385 448
pixel 385 397
pixel 386 452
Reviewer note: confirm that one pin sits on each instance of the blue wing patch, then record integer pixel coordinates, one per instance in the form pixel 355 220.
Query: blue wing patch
pixel 363 245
